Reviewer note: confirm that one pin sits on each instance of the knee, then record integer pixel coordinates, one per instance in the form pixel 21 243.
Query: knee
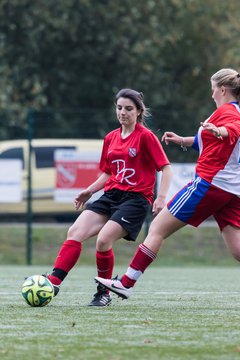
pixel 103 244
pixel 231 237
pixel 73 233
pixel 234 250
pixel 155 235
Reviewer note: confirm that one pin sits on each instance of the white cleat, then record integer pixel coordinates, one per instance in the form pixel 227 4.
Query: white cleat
pixel 115 286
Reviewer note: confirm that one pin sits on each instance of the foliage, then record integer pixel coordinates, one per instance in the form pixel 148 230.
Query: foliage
pixel 71 54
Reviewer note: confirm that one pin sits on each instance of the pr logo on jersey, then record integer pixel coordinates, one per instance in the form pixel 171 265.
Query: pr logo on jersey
pixel 132 152
pixel 124 173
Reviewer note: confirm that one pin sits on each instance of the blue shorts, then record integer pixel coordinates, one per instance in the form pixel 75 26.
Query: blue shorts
pixel 199 199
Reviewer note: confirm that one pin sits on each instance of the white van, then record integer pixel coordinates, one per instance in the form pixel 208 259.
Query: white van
pixel 43 172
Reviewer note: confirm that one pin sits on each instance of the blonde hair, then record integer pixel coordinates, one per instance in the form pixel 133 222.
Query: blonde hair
pixel 229 78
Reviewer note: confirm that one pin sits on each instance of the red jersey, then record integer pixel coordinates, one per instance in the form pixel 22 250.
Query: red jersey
pixel 219 159
pixel 132 162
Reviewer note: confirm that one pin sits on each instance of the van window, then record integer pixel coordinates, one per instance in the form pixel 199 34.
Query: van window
pixel 45 155
pixel 15 153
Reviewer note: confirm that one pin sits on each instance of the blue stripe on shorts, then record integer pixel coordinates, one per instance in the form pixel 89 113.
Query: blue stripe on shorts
pixel 184 203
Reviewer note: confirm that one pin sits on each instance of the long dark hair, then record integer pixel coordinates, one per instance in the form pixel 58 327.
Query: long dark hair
pixel 137 99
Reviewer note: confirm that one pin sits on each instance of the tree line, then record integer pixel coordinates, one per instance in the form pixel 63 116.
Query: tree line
pixel 66 59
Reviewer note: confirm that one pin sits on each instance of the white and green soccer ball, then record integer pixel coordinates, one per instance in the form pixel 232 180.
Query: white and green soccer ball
pixel 37 290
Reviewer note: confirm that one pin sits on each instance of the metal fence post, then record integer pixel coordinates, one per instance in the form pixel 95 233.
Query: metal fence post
pixel 29 189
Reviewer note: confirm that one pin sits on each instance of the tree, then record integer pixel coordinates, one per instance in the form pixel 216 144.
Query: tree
pixel 71 54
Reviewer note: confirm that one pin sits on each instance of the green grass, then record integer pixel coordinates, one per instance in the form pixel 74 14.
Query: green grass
pixel 175 313
pixel 189 246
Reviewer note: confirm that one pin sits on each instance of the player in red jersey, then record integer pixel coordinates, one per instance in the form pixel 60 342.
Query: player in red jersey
pixel 214 191
pixel 131 155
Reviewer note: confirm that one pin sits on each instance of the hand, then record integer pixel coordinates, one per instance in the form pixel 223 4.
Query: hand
pixel 158 205
pixel 169 136
pixel 81 198
pixel 212 129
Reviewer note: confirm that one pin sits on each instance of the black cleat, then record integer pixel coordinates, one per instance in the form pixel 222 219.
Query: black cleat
pixel 56 288
pixel 101 298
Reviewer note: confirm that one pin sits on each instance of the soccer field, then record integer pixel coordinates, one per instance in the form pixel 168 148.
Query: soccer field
pixel 174 313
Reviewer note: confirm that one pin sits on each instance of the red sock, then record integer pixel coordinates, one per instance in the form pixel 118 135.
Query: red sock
pixel 142 259
pixel 66 259
pixel 105 263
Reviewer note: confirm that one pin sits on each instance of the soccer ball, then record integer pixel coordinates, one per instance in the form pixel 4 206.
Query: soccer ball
pixel 37 290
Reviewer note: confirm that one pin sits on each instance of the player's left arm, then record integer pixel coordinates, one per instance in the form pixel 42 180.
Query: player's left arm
pixel 229 125
pixel 87 193
pixel 218 131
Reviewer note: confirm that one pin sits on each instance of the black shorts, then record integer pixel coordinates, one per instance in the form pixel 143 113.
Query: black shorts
pixel 129 209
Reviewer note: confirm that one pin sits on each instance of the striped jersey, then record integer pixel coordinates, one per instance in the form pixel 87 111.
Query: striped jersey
pixel 219 159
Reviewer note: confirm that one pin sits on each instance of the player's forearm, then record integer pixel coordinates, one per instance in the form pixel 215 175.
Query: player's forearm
pixel 171 137
pixel 186 141
pixel 165 183
pixel 99 183
pixel 221 132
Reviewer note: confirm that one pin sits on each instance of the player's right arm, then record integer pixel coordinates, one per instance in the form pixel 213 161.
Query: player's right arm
pixel 86 194
pixel 186 141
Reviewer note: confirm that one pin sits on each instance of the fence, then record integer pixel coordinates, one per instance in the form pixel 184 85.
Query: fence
pixel 64 124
